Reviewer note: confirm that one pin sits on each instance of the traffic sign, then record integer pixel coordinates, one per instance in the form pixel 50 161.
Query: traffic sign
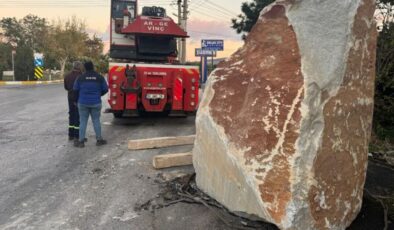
pixel 38 72
pixel 217 45
pixel 38 59
pixel 201 53
pixel 39 64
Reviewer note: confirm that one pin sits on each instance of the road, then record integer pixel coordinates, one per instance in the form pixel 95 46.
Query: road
pixel 46 183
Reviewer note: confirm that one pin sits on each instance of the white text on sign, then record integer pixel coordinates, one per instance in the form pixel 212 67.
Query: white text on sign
pixel 160 26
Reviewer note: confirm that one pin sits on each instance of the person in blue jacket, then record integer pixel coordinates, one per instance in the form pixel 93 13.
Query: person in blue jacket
pixel 89 88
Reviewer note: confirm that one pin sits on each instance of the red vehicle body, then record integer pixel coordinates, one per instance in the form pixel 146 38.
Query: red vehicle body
pixel 145 75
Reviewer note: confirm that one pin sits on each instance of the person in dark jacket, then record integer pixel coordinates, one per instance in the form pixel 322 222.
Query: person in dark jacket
pixel 73 115
pixel 89 88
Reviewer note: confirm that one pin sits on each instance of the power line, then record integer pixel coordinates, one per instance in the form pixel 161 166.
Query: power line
pixel 207 33
pixel 71 2
pixel 219 10
pixel 210 11
pixel 207 15
pixel 213 16
pixel 221 7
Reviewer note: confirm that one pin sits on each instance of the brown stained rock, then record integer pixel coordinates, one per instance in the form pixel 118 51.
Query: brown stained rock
pixel 341 161
pixel 284 124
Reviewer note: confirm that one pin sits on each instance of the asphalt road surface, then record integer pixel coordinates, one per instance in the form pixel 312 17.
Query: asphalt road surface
pixel 46 183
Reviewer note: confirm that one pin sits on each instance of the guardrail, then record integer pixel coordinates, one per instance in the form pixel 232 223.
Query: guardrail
pixel 30 82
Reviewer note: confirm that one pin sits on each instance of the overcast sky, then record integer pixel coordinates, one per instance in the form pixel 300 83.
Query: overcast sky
pixel 208 18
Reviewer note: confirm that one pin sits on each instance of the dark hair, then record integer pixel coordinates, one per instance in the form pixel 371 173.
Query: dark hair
pixel 88 66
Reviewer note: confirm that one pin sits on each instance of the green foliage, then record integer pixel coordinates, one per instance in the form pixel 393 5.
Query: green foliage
pixel 24 63
pixel 5 58
pixel 383 123
pixel 102 64
pixel 12 30
pixel 94 47
pixel 94 51
pixel 30 30
pixel 66 42
pixel 384 97
pixel 250 13
pixel 61 42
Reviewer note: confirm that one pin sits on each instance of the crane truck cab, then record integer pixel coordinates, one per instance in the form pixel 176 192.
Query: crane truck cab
pixel 144 74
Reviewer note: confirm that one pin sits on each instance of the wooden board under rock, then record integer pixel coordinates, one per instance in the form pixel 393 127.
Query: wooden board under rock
pixel 172 160
pixel 160 142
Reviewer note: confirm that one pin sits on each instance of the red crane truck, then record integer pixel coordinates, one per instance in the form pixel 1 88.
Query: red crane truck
pixel 144 74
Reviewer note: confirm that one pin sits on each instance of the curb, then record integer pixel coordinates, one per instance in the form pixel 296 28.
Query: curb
pixel 29 82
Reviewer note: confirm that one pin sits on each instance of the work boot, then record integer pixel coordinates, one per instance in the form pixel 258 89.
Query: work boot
pixel 79 144
pixel 101 142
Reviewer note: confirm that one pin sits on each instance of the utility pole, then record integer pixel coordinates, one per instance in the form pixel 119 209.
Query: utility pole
pixel 184 27
pixel 13 65
pixel 180 24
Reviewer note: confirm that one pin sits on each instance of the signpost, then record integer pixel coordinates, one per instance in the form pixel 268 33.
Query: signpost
pixel 208 48
pixel 201 53
pixel 217 45
pixel 39 66
pixel 13 64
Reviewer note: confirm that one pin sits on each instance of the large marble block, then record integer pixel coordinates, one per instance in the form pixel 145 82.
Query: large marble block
pixel 284 124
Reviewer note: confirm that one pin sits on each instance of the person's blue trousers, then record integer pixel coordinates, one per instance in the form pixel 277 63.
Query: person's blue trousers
pixel 94 111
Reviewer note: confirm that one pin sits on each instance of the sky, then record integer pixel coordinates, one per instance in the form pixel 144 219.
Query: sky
pixel 208 19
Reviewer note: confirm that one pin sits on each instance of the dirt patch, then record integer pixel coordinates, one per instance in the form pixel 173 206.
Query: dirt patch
pixel 377 211
pixel 183 189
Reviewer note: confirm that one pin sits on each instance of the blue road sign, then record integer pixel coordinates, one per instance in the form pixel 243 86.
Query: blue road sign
pixel 217 45
pixel 39 62
pixel 201 53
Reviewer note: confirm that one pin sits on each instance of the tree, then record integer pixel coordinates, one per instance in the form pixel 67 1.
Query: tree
pixel 36 30
pixel 67 41
pixel 61 42
pixel 12 31
pixel 5 58
pixel 94 47
pixel 94 52
pixel 28 35
pixel 24 63
pixel 102 64
pixel 383 123
pixel 30 30
pixel 250 14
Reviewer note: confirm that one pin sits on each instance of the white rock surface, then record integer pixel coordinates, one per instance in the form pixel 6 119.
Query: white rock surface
pixel 284 124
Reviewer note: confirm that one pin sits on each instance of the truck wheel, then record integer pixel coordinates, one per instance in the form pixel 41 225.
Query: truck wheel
pixel 118 115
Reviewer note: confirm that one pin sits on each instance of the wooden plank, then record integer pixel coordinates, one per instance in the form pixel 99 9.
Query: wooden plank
pixel 160 142
pixel 172 160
